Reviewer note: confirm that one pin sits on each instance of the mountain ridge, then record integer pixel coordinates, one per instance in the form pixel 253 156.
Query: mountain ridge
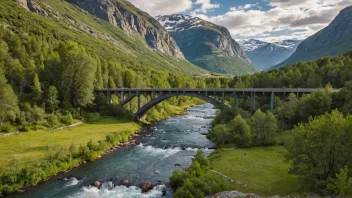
pixel 216 50
pixel 332 40
pixel 78 24
pixel 264 55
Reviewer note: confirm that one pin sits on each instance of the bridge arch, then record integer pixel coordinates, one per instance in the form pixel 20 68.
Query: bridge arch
pixel 141 111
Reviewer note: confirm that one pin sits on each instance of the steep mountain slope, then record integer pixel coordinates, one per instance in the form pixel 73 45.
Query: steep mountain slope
pixel 264 55
pixel 207 45
pixel 119 30
pixel 333 40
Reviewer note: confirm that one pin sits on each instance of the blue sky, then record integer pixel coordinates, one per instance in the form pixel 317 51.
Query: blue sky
pixel 267 20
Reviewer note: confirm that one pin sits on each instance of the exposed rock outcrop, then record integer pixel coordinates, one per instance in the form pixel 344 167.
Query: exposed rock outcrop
pixel 133 21
pixel 23 3
pixel 207 45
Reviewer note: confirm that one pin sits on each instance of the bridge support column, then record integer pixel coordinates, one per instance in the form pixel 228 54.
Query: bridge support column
pixel 122 97
pixel 108 98
pixel 253 101
pixel 236 99
pixel 223 98
pixel 272 102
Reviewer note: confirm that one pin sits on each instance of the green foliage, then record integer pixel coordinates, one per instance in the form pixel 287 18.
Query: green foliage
pixel 313 74
pixel 260 130
pixel 67 119
pixel 320 148
pixel 342 184
pixel 194 182
pixel 263 127
pixel 92 117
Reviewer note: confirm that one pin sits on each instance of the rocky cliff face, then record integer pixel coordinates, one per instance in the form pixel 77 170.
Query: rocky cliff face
pixel 133 21
pixel 177 24
pixel 333 40
pixel 207 45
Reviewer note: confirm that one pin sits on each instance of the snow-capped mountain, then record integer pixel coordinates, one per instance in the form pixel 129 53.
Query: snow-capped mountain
pixel 264 55
pixel 207 45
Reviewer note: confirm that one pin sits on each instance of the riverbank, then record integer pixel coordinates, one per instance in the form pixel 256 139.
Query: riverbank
pixel 27 150
pixel 261 170
pixel 165 146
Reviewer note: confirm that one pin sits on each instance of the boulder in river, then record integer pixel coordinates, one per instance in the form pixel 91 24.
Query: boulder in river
pixel 164 192
pixel 124 182
pixel 96 184
pixel 147 186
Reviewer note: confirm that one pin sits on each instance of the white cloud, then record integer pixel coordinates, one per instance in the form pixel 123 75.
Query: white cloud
pixel 205 5
pixel 245 7
pixel 162 7
pixel 296 19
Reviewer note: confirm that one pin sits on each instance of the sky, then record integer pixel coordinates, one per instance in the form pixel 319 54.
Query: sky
pixel 266 20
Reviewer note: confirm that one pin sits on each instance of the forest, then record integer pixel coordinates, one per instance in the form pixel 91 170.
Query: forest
pixel 322 119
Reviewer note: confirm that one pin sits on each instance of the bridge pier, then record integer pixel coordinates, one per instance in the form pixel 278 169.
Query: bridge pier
pixel 253 101
pixel 272 100
pixel 223 98
pixel 122 97
pixel 108 97
pixel 236 99
pixel 139 99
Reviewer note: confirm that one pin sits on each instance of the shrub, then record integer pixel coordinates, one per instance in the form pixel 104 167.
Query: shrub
pixel 92 117
pixel 6 128
pixel 67 119
pixel 52 120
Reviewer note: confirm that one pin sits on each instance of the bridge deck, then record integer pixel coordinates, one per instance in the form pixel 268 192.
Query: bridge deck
pixel 245 90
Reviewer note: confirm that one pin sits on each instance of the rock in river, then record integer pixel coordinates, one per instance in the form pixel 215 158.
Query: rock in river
pixel 124 182
pixel 96 184
pixel 146 186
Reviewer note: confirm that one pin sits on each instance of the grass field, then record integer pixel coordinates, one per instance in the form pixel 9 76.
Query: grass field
pixel 27 149
pixel 263 170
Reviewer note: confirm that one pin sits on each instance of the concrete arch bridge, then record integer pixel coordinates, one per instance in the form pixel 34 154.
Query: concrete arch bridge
pixel 213 96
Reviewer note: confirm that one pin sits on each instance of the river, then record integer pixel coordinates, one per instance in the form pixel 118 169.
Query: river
pixel 167 146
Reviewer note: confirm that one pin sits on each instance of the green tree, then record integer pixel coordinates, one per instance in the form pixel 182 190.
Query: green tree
pixel 264 127
pixel 76 74
pixel 315 104
pixel 240 132
pixel 8 101
pixel 52 98
pixel 37 88
pixel 320 148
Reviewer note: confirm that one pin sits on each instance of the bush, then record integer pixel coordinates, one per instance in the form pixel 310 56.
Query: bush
pixel 195 182
pixel 92 117
pixel 6 128
pixel 67 119
pixel 52 120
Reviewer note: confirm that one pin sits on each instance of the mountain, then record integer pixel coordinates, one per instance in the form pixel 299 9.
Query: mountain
pixel 264 55
pixel 207 45
pixel 114 28
pixel 333 40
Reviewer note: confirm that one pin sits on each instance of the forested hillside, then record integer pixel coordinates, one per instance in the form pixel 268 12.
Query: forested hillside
pixel 335 70
pixel 49 64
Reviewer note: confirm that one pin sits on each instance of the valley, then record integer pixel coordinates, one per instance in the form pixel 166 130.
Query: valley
pixel 191 99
